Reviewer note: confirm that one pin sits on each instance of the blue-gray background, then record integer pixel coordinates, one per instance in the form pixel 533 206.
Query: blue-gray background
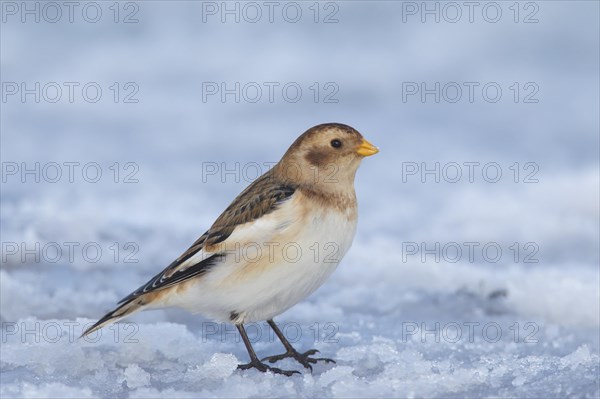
pixel 369 53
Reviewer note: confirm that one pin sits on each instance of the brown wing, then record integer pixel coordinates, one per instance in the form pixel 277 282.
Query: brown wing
pixel 260 198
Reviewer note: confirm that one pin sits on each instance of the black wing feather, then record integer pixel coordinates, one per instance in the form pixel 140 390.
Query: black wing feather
pixel 260 198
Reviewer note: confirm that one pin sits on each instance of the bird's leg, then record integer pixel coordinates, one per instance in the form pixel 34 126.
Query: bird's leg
pixel 254 362
pixel 302 358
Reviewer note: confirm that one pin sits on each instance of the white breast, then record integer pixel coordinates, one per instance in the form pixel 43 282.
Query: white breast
pixel 272 264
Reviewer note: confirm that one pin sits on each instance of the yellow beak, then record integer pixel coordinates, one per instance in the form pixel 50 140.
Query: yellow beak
pixel 366 149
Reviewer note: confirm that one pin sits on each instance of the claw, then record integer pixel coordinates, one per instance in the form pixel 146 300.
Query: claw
pixel 303 358
pixel 264 368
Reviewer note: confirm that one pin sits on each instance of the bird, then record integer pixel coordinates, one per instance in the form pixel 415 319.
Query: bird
pixel 274 245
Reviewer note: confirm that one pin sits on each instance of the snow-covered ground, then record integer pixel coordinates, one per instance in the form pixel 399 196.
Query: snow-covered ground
pixel 476 285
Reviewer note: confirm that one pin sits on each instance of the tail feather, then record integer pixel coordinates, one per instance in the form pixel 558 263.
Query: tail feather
pixel 122 311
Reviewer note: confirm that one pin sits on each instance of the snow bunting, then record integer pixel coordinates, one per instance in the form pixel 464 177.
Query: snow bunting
pixel 274 245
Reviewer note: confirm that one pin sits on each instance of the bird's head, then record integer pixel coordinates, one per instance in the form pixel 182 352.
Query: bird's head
pixel 326 155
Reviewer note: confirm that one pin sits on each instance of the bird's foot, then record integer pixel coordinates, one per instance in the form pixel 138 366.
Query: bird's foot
pixel 302 358
pixel 264 368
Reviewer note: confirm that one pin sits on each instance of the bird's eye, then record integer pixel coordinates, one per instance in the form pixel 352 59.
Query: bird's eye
pixel 335 143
